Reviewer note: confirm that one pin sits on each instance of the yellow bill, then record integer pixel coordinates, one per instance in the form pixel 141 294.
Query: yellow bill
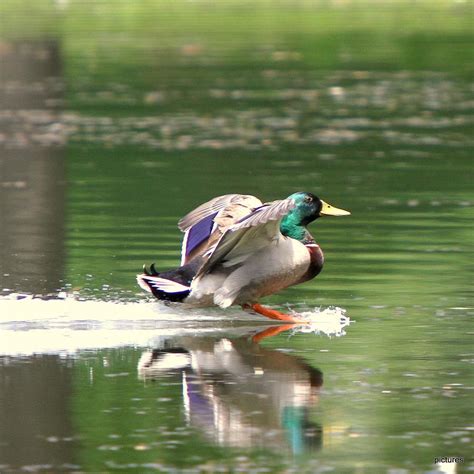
pixel 328 210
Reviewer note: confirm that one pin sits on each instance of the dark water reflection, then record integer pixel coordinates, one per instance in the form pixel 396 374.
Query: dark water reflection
pixel 36 429
pixel 240 394
pixel 32 176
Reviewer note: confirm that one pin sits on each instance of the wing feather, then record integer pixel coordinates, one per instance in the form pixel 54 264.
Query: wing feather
pixel 248 236
pixel 214 206
pixel 204 226
pixel 268 212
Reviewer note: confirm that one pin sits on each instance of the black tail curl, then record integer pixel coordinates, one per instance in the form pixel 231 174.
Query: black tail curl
pixel 183 275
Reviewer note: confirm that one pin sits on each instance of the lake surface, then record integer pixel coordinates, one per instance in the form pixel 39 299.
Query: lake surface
pixel 108 138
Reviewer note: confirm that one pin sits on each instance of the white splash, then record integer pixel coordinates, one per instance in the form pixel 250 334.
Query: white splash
pixel 65 325
pixel 21 307
pixel 331 321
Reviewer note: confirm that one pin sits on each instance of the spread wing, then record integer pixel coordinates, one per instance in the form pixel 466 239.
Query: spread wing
pixel 250 234
pixel 212 207
pixel 215 215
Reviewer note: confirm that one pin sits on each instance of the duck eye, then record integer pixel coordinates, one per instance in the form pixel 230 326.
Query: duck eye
pixel 308 199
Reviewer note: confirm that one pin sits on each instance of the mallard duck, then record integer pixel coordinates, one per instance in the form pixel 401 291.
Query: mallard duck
pixel 236 250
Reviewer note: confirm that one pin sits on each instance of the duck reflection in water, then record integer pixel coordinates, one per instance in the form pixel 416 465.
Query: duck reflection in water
pixel 239 393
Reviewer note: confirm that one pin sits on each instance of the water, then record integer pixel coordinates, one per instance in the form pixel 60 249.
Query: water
pixel 111 130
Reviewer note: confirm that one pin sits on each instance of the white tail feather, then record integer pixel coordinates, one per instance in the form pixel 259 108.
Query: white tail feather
pixel 161 284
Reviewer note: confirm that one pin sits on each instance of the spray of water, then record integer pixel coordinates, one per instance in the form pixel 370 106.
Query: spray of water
pixel 65 325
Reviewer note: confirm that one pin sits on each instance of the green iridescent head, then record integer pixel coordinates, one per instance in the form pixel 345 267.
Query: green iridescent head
pixel 308 208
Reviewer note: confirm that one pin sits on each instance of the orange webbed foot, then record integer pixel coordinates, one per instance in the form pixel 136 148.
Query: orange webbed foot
pixel 274 314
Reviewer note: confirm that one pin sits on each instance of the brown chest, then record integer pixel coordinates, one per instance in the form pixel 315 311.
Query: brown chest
pixel 316 262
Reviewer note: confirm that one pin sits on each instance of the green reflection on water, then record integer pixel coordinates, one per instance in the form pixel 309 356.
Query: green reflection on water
pixel 385 401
